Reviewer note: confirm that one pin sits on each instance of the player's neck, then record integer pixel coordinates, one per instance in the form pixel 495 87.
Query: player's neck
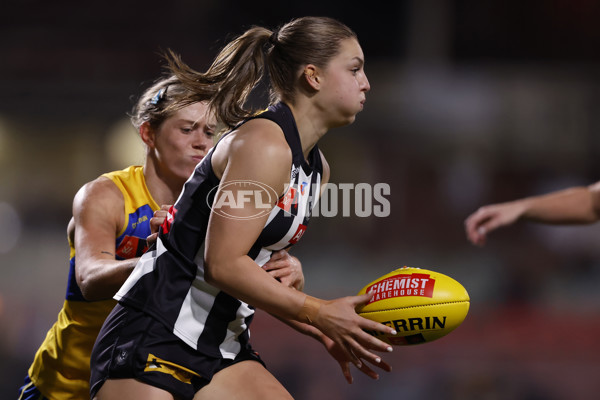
pixel 309 129
pixel 164 188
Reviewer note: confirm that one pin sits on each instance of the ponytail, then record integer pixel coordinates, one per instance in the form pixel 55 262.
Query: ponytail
pixel 240 66
pixel 228 82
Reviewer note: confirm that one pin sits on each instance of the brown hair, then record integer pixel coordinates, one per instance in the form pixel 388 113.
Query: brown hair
pixel 161 100
pixel 240 65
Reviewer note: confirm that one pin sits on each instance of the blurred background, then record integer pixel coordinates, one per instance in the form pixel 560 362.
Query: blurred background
pixel 472 102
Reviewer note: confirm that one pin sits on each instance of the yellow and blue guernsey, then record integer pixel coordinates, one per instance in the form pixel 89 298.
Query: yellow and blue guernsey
pixel 61 368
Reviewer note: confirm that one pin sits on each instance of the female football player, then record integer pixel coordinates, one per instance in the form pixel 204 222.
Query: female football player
pixel 181 328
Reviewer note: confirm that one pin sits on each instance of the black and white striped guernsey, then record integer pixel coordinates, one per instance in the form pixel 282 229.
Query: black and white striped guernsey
pixel 168 282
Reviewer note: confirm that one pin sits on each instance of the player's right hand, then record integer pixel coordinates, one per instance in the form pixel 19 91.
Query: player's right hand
pixel 338 320
pixel 489 218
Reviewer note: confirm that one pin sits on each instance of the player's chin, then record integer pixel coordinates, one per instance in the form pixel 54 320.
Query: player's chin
pixel 356 112
pixel 188 169
pixel 344 119
pixel 348 119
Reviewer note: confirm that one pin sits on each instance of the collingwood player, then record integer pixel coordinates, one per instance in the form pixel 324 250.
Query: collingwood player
pixel 181 328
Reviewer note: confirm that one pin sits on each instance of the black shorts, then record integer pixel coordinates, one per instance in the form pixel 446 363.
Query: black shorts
pixel 134 345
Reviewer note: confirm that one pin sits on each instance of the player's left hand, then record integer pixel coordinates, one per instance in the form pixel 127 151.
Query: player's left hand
pixel 156 221
pixel 340 356
pixel 286 268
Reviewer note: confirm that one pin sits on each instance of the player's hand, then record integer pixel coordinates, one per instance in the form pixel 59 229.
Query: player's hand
pixel 488 218
pixel 155 222
pixel 338 320
pixel 340 356
pixel 286 268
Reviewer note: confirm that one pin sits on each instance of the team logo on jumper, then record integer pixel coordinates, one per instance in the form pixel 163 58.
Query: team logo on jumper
pixel 402 285
pixel 242 199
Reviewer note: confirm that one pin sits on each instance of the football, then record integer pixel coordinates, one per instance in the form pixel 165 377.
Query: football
pixel 420 305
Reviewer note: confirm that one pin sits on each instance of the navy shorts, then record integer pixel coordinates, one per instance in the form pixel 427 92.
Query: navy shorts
pixel 134 345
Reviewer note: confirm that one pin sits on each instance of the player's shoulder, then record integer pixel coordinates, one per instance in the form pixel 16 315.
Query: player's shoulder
pixel 261 138
pixel 101 190
pixel 261 131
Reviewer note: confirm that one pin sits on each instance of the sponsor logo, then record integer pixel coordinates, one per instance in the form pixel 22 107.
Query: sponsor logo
pixel 299 232
pixel 402 285
pixel 295 172
pixel 413 324
pixel 182 374
pixel 141 219
pixel 303 186
pixel 288 200
pixel 130 247
pixel 122 357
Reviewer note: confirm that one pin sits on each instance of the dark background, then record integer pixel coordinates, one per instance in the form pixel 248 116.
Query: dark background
pixel 472 102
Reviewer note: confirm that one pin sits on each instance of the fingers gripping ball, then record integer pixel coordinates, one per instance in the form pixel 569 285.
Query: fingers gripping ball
pixel 421 305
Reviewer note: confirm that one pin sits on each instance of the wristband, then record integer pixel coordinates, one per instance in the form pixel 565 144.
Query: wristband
pixel 310 309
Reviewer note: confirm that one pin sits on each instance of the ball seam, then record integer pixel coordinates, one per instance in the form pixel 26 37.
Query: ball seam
pixel 419 306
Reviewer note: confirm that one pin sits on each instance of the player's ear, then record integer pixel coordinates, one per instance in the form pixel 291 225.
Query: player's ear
pixel 147 134
pixel 312 77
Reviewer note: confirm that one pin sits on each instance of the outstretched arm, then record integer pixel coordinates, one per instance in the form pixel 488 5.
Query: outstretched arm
pixel 577 205
pixel 263 156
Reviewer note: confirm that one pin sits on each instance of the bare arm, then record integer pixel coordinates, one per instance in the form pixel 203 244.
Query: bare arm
pixel 98 215
pixel 577 205
pixel 229 268
pixel 285 267
pixel 332 347
pixel 282 266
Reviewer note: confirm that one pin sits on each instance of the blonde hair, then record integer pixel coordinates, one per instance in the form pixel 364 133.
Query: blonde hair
pixel 161 100
pixel 242 63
